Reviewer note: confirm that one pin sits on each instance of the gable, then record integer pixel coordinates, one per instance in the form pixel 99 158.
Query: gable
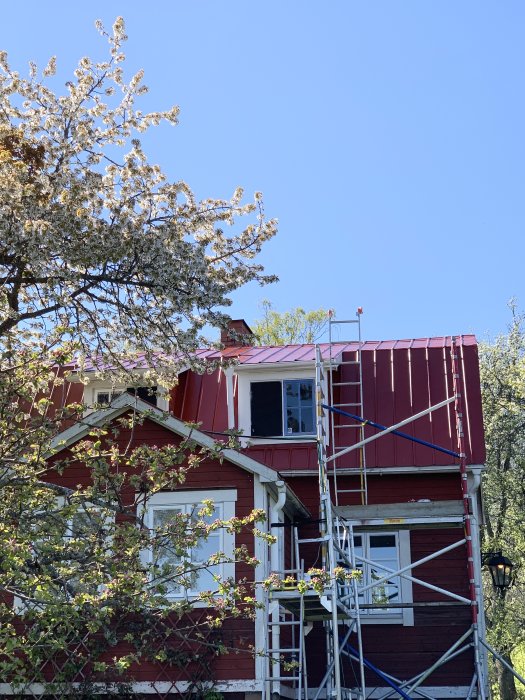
pixel 161 428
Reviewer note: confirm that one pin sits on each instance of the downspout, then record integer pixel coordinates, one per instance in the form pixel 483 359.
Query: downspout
pixel 228 373
pixel 275 510
pixel 274 518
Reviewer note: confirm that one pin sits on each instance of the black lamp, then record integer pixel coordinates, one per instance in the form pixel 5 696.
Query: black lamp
pixel 501 571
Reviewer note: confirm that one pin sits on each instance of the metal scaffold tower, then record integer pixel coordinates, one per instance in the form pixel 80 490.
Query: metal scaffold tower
pixel 346 600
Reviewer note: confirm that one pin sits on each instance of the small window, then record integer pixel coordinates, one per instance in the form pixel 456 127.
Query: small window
pixel 87 531
pixel 145 393
pixel 63 543
pixel 282 408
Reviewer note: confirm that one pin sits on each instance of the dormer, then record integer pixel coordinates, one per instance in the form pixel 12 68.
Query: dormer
pixel 276 402
pixel 101 392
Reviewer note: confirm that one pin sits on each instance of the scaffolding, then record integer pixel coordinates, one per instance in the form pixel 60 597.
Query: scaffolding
pixel 345 388
pixel 345 599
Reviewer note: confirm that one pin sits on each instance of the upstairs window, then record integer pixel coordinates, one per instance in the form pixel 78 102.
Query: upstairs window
pixel 104 398
pixel 282 408
pixel 148 394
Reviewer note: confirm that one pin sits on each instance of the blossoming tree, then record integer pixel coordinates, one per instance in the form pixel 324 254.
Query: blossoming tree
pixel 100 255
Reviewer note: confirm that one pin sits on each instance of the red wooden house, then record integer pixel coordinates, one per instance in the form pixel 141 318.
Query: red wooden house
pixel 342 493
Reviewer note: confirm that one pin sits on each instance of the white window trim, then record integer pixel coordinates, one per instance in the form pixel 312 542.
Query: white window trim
pixel 399 616
pixel 225 498
pixel 245 378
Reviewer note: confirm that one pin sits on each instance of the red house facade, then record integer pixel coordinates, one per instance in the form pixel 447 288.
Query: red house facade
pixel 365 456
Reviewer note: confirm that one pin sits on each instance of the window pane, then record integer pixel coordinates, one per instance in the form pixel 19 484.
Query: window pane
pixel 292 421
pixel 299 406
pixel 307 392
pixel 377 541
pixel 266 403
pixel 165 553
pixel 307 421
pixel 291 389
pixel 206 548
pixel 203 579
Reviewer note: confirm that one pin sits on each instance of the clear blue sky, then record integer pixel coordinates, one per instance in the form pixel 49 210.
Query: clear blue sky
pixel 387 138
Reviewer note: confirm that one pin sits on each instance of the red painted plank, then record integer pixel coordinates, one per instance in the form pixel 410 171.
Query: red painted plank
pixel 369 404
pixel 443 429
pixel 384 408
pixel 403 449
pixel 420 402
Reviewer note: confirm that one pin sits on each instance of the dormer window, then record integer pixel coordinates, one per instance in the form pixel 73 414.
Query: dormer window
pixel 100 393
pixel 148 394
pixel 282 408
pixel 104 398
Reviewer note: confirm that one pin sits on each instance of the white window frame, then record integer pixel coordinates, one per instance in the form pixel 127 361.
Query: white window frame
pixel 224 501
pixel 394 616
pixel 262 374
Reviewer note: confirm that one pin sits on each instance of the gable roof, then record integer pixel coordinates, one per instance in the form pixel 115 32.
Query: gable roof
pixel 126 402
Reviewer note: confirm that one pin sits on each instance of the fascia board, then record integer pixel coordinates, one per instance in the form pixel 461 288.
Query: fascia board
pixel 280 366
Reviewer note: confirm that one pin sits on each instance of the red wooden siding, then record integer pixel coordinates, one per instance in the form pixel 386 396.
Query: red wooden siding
pixel 394 488
pixel 209 475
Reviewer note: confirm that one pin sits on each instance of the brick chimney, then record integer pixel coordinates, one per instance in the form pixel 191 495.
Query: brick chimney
pixel 238 332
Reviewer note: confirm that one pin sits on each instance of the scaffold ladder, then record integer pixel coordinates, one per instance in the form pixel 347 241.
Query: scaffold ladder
pixel 285 632
pixel 346 394
pixel 331 550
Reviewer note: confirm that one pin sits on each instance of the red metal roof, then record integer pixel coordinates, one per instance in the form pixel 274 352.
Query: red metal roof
pixel 306 353
pixel 268 354
pixel 400 379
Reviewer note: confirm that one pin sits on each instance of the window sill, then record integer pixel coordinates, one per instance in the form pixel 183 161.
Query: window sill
pixel 394 619
pixel 248 441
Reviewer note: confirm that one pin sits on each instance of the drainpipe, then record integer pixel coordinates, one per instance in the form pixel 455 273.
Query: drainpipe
pixel 275 510
pixel 228 373
pixel 474 485
pixel 274 518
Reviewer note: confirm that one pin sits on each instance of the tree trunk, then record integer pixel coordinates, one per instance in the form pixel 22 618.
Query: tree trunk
pixel 506 684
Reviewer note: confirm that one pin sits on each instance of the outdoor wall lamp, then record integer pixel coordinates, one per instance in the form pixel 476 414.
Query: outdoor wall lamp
pixel 500 568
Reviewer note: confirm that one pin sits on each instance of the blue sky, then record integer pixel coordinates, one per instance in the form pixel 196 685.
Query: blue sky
pixel 387 138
